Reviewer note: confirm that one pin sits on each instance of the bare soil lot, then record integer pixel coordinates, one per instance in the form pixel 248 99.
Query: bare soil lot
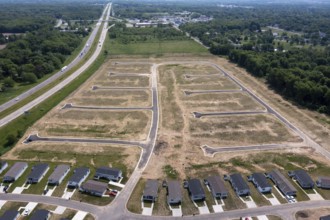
pixel 314 124
pixel 127 67
pixel 115 98
pixel 120 81
pixel 220 102
pixel 129 125
pixel 240 130
pixel 312 214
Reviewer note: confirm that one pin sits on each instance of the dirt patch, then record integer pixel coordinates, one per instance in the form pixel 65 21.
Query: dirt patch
pixel 160 146
pixel 113 98
pixel 312 214
pixel 130 125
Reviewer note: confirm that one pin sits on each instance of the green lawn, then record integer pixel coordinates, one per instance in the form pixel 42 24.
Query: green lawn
pixel 158 48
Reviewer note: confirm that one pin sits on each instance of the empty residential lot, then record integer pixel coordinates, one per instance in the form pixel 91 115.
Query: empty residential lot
pixel 114 98
pixel 129 125
pixel 95 112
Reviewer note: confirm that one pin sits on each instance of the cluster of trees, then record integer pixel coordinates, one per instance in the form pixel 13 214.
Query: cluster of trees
pixel 40 49
pixel 301 75
pixel 22 17
pixel 38 53
pixel 134 35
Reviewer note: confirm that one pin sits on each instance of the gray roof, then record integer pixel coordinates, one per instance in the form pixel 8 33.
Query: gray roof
pixel 238 182
pixel 92 185
pixel 109 171
pixel 195 187
pixel 79 173
pixel 281 182
pixel 38 170
pixel 327 217
pixel 216 184
pixel 261 180
pixel 2 163
pixel 303 176
pixel 174 189
pixel 59 171
pixel 9 215
pixel 40 214
pixel 151 188
pixel 16 168
pixel 324 180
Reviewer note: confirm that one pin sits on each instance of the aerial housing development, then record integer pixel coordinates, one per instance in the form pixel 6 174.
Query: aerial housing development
pixel 151 109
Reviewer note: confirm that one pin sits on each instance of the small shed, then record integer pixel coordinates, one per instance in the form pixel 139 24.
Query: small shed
pixel 239 185
pixel 108 173
pixel 261 183
pixel 94 188
pixel 174 193
pixel 41 214
pixel 15 172
pixel 3 165
pixel 323 182
pixel 37 173
pixel 59 174
pixel 217 187
pixel 196 190
pixel 150 192
pixel 303 179
pixel 79 175
pixel 282 183
pixel 10 215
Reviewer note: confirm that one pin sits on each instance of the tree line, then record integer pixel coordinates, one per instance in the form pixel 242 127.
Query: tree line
pixel 151 34
pixel 39 53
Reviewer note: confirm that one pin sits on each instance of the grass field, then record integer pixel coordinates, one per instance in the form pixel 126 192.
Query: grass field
pixel 156 48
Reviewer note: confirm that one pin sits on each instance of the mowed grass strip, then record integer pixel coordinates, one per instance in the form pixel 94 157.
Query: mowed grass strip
pixel 152 48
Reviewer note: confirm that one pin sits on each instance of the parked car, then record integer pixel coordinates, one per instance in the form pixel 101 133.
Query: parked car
pixel 113 193
pixel 185 184
pixel 26 212
pixel 46 191
pixel 164 184
pixel 206 182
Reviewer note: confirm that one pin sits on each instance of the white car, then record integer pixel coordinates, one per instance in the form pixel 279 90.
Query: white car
pixel 26 212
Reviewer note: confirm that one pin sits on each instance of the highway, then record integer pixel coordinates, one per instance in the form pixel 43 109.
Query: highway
pixel 57 75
